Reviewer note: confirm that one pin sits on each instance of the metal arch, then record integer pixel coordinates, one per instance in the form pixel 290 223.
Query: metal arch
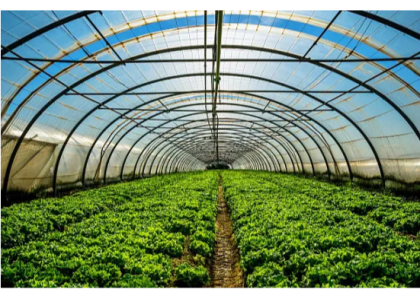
pixel 182 158
pixel 245 162
pixel 270 100
pixel 236 165
pixel 169 165
pixel 170 160
pixel 188 159
pixel 174 168
pixel 76 84
pixel 181 166
pixel 261 158
pixel 163 159
pixel 228 134
pixel 182 117
pixel 264 158
pixel 239 47
pixel 163 169
pixel 349 77
pixel 194 121
pixel 185 167
pixel 33 120
pixel 387 22
pixel 185 157
pixel 233 129
pixel 247 76
pixel 395 107
pixel 252 158
pixel 75 16
pixel 82 119
pixel 141 154
pixel 187 143
pixel 182 132
pixel 167 159
pixel 237 113
pixel 267 99
pixel 144 148
pixel 227 74
pixel 173 151
pixel 194 165
pixel 297 59
pixel 290 142
pixel 252 162
pixel 241 105
pixel 136 87
pixel 47 28
pixel 92 146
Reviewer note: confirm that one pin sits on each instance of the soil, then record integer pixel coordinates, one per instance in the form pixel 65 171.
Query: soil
pixel 226 271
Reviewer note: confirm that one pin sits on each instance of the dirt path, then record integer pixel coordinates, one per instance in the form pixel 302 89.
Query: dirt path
pixel 225 271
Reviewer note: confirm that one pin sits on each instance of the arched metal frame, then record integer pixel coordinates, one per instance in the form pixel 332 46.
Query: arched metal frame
pixel 167 153
pixel 133 145
pixel 270 161
pixel 248 162
pixel 163 125
pixel 231 104
pixel 146 103
pixel 253 95
pixel 234 125
pixel 267 151
pixel 60 22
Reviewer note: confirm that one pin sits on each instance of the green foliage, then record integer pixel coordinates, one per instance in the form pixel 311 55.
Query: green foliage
pixel 190 276
pixel 134 281
pixel 201 248
pixel 199 260
pixel 290 231
pixel 293 231
pixel 270 274
pixel 124 235
pixel 155 267
pixel 97 275
pixel 205 236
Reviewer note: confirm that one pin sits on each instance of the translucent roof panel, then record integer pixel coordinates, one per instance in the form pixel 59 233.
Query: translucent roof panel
pixel 120 94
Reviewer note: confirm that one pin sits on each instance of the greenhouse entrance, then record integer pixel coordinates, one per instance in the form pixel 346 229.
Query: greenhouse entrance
pixel 218 165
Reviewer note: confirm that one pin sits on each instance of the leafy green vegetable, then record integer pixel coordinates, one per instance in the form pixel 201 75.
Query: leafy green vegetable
pixel 292 231
pixel 190 276
pixel 124 235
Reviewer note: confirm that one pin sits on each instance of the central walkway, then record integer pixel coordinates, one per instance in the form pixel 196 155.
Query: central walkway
pixel 226 271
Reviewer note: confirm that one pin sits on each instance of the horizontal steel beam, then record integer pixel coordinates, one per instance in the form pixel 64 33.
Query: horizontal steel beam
pixel 194 60
pixel 197 110
pixel 222 91
pixel 45 29
pixel 387 22
pixel 225 120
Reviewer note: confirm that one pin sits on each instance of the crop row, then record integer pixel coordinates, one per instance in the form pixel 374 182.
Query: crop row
pixel 290 233
pixel 392 211
pixel 160 234
pixel 29 221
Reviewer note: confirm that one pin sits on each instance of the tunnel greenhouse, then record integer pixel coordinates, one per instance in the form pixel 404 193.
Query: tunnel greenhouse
pixel 210 148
